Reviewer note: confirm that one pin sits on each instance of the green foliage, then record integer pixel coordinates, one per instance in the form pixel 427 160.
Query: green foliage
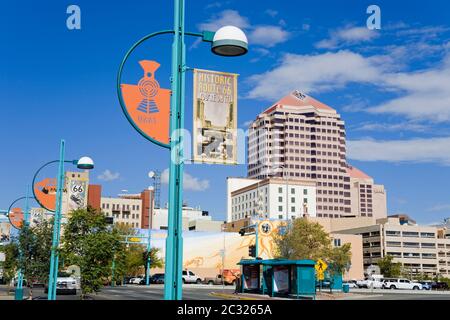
pixel 90 243
pixel 389 268
pixel 11 251
pixel 30 252
pixel 339 259
pixel 308 240
pixel 132 261
pixel 303 240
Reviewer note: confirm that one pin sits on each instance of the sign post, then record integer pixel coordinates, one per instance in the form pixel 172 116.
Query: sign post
pixel 320 267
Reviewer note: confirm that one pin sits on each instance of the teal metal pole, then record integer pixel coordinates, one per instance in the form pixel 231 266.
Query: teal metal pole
pixel 113 267
pixel 18 295
pixel 174 240
pixel 54 259
pixel 147 270
pixel 256 239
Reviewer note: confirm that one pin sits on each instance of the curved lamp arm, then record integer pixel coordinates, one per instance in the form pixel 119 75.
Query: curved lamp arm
pixel 207 37
pixel 36 174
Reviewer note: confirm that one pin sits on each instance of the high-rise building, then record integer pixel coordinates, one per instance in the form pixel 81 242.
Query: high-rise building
pixel 368 199
pixel 300 138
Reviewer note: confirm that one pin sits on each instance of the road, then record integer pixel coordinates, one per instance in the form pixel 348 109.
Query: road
pixel 203 292
pixel 139 292
pixel 383 294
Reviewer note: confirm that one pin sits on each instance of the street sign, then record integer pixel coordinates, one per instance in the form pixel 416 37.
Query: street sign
pixel 320 266
pixel 134 239
pixel 215 117
pixel 320 276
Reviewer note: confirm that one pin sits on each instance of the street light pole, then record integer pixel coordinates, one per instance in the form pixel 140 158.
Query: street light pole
pixel 54 259
pixel 174 240
pixel 147 270
pixel 227 41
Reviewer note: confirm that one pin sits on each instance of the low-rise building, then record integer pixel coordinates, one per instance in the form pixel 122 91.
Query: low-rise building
pixel 193 219
pixel 134 210
pixel 273 198
pixel 420 249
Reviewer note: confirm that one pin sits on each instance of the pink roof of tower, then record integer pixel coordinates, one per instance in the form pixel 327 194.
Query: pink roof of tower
pixel 292 100
pixel 356 173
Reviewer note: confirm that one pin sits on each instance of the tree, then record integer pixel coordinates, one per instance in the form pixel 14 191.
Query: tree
pixel 308 240
pixel 339 258
pixel 303 240
pixel 90 243
pixel 388 268
pixel 30 252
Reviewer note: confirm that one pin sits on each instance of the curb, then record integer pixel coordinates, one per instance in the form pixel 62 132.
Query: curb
pixel 232 296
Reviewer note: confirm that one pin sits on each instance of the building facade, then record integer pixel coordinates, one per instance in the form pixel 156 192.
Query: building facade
pixel 420 249
pixel 367 199
pixel 300 138
pixel 133 210
pixel 273 199
pixel 190 216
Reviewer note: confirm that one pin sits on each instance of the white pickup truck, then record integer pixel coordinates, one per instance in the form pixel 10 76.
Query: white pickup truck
pixel 401 283
pixel 190 277
pixel 375 281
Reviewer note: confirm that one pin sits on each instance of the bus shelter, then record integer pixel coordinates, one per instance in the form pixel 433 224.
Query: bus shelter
pixel 279 277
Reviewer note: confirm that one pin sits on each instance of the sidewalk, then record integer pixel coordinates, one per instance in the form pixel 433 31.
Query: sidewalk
pixel 319 296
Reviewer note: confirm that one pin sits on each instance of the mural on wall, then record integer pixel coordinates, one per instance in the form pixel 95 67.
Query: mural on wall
pixel 218 249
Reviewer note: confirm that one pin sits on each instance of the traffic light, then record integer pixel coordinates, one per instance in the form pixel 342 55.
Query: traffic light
pixel 109 220
pixel 252 250
pixel 242 232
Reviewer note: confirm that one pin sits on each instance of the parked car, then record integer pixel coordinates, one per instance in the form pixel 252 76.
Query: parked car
pixel 127 279
pixel 135 280
pixel 351 283
pixel 157 278
pixel 65 284
pixel 401 283
pixel 426 285
pixel 374 281
pixel 439 285
pixel 190 277
pixel 213 280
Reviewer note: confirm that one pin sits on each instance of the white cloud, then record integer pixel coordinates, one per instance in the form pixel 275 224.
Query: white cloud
pixel 225 18
pixel 271 12
pixel 432 150
pixel 426 94
pixel 268 36
pixel 313 73
pixel 439 207
pixel 399 126
pixel 420 95
pixel 190 183
pixel 263 35
pixel 107 175
pixel 247 123
pixel 347 36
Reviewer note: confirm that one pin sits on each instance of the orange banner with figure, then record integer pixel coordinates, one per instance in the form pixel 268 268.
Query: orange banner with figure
pixel 45 192
pixel 16 217
pixel 147 104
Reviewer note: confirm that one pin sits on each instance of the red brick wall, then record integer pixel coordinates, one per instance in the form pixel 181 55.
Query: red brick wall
pixel 94 196
pixel 147 208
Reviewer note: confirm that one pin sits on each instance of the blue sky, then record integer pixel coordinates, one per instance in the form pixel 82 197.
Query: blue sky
pixel 391 86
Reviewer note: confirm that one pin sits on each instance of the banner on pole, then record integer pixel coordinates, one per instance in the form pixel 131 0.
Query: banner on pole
pixel 215 117
pixel 45 192
pixel 147 105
